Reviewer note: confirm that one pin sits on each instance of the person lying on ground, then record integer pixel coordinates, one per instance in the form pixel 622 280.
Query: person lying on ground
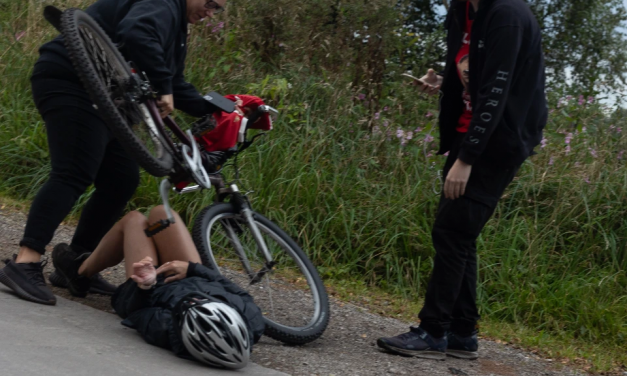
pixel 170 298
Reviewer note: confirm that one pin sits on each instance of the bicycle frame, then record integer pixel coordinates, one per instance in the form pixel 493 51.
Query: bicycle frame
pixel 216 180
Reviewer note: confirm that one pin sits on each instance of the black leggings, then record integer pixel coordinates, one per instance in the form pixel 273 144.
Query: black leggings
pixel 82 152
pixel 450 302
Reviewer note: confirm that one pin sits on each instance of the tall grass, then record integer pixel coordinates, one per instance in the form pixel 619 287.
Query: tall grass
pixel 350 170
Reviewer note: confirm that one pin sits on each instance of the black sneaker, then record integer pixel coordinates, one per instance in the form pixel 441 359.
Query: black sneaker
pixel 67 263
pixel 417 342
pixel 98 285
pixel 462 347
pixel 27 280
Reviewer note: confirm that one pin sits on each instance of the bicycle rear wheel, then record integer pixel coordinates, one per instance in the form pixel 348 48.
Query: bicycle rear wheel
pixel 109 81
pixel 291 296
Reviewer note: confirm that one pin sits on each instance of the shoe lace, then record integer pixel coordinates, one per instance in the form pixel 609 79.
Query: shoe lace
pixel 409 335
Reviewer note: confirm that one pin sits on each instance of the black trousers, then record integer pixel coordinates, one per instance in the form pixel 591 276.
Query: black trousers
pixel 82 152
pixel 450 302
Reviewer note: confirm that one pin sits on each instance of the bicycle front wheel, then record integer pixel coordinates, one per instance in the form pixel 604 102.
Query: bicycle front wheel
pixel 291 295
pixel 108 80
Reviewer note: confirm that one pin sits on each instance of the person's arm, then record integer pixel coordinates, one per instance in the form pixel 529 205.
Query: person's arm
pixel 188 99
pixel 503 45
pixel 143 34
pixel 153 323
pixel 131 300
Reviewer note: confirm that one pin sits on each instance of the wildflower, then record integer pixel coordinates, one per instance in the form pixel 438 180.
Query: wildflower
pixel 590 99
pixel 19 35
pixel 430 154
pixel 429 114
pixel 376 116
pixel 593 152
pixel 218 27
pixel 419 129
pixel 569 97
pixel 568 138
pixel 567 149
pixel 446 154
pixel 551 161
pixel 583 130
pixel 409 135
pixel 543 142
pixel 619 129
pixel 582 100
pixel 620 155
pixel 385 108
pixel 429 138
pixel 587 180
pixel 361 96
pixel 399 133
pixel 385 123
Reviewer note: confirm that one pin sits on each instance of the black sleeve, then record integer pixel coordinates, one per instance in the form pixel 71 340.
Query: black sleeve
pixel 187 98
pixel 130 299
pixel 503 46
pixel 153 324
pixel 143 33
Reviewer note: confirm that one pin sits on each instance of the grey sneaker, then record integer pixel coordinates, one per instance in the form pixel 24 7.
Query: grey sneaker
pixel 417 342
pixel 67 263
pixel 27 280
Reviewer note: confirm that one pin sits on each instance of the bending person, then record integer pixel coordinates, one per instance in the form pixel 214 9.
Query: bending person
pixel 170 298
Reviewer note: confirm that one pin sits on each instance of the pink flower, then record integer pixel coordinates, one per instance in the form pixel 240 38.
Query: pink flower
pixel 543 142
pixel 19 35
pixel 376 116
pixel 590 99
pixel 619 129
pixel 385 108
pixel 385 123
pixel 567 149
pixel 429 114
pixel 361 96
pixel 620 155
pixel 587 180
pixel 446 154
pixel 593 152
pixel 551 161
pixel 582 100
pixel 217 27
pixel 569 97
pixel 419 129
pixel 429 138
pixel 568 138
pixel 409 135
pixel 399 133
pixel 430 154
pixel 583 129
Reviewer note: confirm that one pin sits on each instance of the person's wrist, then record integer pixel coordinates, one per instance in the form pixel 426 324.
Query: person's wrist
pixel 147 286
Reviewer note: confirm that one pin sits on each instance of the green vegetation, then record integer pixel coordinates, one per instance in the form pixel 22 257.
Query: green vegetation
pixel 350 170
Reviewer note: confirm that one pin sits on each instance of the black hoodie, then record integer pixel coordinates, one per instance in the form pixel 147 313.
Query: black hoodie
pixel 153 35
pixel 506 83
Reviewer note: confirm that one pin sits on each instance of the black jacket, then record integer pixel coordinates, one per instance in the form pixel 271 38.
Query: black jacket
pixel 153 35
pixel 506 83
pixel 150 312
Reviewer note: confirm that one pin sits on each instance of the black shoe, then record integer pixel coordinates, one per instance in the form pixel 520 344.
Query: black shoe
pixel 462 347
pixel 417 342
pixel 67 263
pixel 98 285
pixel 27 280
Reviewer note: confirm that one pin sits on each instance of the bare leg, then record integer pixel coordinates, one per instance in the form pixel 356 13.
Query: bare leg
pixel 175 242
pixel 125 241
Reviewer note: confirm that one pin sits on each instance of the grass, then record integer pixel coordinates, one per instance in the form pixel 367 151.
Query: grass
pixel 350 172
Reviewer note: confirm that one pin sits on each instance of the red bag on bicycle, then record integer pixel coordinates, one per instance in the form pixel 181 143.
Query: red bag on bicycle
pixel 228 131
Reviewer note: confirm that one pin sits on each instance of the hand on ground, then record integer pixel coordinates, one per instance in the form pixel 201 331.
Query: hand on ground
pixel 175 270
pixel 144 272
pixel 431 83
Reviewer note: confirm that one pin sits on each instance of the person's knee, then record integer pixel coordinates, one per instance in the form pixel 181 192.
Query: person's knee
pixel 158 212
pixel 134 219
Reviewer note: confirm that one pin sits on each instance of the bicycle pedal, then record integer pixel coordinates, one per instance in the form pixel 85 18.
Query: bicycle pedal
pixel 157 227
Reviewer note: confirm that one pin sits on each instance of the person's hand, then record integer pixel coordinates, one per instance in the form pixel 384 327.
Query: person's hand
pixel 431 83
pixel 144 273
pixel 174 269
pixel 456 180
pixel 165 104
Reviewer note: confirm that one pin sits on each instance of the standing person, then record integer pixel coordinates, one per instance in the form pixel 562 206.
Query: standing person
pixel 152 34
pixel 493 110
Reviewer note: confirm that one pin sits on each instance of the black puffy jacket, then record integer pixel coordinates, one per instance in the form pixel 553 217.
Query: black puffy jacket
pixel 507 83
pixel 151 312
pixel 153 35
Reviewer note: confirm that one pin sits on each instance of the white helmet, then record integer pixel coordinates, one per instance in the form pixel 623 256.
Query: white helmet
pixel 216 334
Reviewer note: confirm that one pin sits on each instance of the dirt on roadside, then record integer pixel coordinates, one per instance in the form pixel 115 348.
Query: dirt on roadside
pixel 346 348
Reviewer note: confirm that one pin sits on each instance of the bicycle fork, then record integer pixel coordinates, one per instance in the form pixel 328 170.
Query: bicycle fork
pixel 247 214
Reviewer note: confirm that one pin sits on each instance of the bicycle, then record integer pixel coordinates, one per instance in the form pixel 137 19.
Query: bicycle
pixel 231 237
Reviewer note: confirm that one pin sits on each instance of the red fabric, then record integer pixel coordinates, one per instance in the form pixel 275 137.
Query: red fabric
pixel 224 135
pixel 462 64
